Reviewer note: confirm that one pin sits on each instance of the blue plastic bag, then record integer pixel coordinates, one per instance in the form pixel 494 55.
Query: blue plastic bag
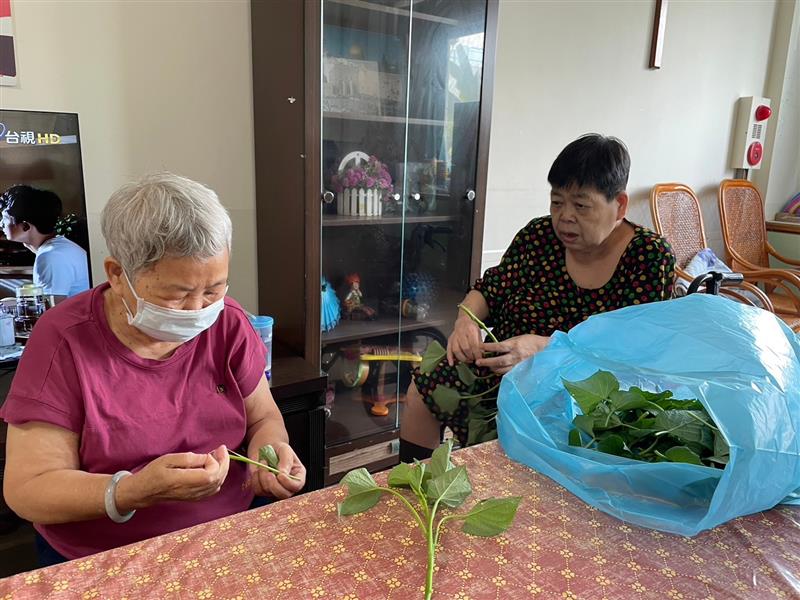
pixel 741 362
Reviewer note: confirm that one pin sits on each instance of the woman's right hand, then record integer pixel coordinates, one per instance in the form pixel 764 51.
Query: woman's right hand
pixel 181 476
pixel 464 344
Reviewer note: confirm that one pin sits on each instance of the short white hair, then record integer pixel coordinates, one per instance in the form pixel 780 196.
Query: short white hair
pixel 164 215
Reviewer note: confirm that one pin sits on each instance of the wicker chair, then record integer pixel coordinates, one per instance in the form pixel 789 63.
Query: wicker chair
pixel 747 250
pixel 676 215
pixel 744 229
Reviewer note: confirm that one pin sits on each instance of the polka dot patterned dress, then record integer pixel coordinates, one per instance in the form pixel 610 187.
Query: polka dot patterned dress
pixel 530 291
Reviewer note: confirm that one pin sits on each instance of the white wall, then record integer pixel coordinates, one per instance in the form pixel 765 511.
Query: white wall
pixel 157 85
pixel 167 85
pixel 567 68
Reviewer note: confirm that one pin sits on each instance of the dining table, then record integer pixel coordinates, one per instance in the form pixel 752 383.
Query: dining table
pixel 556 547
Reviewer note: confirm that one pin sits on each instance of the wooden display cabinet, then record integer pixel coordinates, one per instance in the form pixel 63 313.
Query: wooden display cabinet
pixel 371 145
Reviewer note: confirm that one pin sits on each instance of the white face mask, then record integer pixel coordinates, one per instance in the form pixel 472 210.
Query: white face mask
pixel 170 324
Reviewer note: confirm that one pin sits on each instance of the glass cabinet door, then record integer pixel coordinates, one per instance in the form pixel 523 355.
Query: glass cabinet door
pixel 447 44
pixel 365 51
pixel 400 98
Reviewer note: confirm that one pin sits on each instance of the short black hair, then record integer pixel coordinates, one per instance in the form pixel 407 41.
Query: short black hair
pixel 592 160
pixel 40 208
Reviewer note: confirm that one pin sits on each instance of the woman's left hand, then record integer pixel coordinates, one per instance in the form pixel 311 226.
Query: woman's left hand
pixel 280 486
pixel 511 351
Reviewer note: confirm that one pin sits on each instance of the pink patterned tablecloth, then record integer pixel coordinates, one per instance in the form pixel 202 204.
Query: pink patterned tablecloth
pixel 558 547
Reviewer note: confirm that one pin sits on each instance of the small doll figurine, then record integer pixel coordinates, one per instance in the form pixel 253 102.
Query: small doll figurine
pixel 354 297
pixel 354 306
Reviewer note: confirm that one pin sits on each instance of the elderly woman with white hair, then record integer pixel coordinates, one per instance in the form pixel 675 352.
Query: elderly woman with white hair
pixel 128 396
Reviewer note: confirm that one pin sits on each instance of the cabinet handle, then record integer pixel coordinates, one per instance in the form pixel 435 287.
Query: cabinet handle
pixel 327 197
pixel 396 197
pixel 418 203
pixel 470 195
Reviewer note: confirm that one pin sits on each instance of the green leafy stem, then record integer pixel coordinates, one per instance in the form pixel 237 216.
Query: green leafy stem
pixel 478 322
pixel 269 459
pixel 434 485
pixel 448 398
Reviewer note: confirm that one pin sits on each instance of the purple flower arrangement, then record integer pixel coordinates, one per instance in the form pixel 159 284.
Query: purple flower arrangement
pixel 372 175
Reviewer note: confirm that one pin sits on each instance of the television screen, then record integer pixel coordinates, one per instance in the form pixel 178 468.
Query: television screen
pixel 43 150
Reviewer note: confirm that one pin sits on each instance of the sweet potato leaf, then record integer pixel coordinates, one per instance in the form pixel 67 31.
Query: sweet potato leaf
pixel 590 392
pixel 440 459
pixel 585 423
pixel 491 517
pixel 673 404
pixel 575 438
pixel 687 426
pixel 446 398
pixel 362 492
pixel 612 444
pixel 476 428
pixel 628 400
pixel 268 455
pixel 450 488
pixel 465 374
pixel 682 454
pixel 402 475
pixel 433 355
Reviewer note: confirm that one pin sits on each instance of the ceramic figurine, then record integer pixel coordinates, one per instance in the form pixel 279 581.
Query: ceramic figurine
pixel 354 306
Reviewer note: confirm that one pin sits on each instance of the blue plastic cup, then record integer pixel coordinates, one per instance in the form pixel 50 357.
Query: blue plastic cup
pixel 263 326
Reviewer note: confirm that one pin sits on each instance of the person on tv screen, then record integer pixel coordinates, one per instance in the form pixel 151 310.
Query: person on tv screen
pixel 29 216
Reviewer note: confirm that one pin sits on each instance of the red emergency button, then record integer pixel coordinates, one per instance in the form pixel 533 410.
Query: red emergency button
pixel 754 153
pixel 763 112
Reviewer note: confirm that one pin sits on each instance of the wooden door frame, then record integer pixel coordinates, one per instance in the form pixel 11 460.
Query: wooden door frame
pixel 484 134
pixel 279 120
pixel 313 158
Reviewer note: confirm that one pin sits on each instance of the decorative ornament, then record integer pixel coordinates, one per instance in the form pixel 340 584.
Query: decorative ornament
pixel 354 307
pixel 331 312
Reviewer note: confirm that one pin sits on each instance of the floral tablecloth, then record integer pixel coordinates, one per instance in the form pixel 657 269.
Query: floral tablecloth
pixel 558 547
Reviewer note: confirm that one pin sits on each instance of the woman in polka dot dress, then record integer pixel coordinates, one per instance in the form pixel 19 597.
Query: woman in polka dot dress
pixel 584 258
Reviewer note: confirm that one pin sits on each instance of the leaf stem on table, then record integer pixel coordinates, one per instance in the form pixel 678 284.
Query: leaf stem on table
pixel 431 551
pixel 394 492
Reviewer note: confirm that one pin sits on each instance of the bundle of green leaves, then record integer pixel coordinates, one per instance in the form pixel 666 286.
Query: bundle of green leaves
pixel 482 411
pixel 642 425
pixel 434 485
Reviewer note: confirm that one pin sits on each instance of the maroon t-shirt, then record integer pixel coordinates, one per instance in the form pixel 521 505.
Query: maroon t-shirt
pixel 129 410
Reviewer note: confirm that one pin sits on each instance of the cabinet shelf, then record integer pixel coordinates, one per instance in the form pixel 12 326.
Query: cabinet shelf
pixel 347 331
pixel 442 315
pixel 348 221
pixel 346 116
pixel 391 10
